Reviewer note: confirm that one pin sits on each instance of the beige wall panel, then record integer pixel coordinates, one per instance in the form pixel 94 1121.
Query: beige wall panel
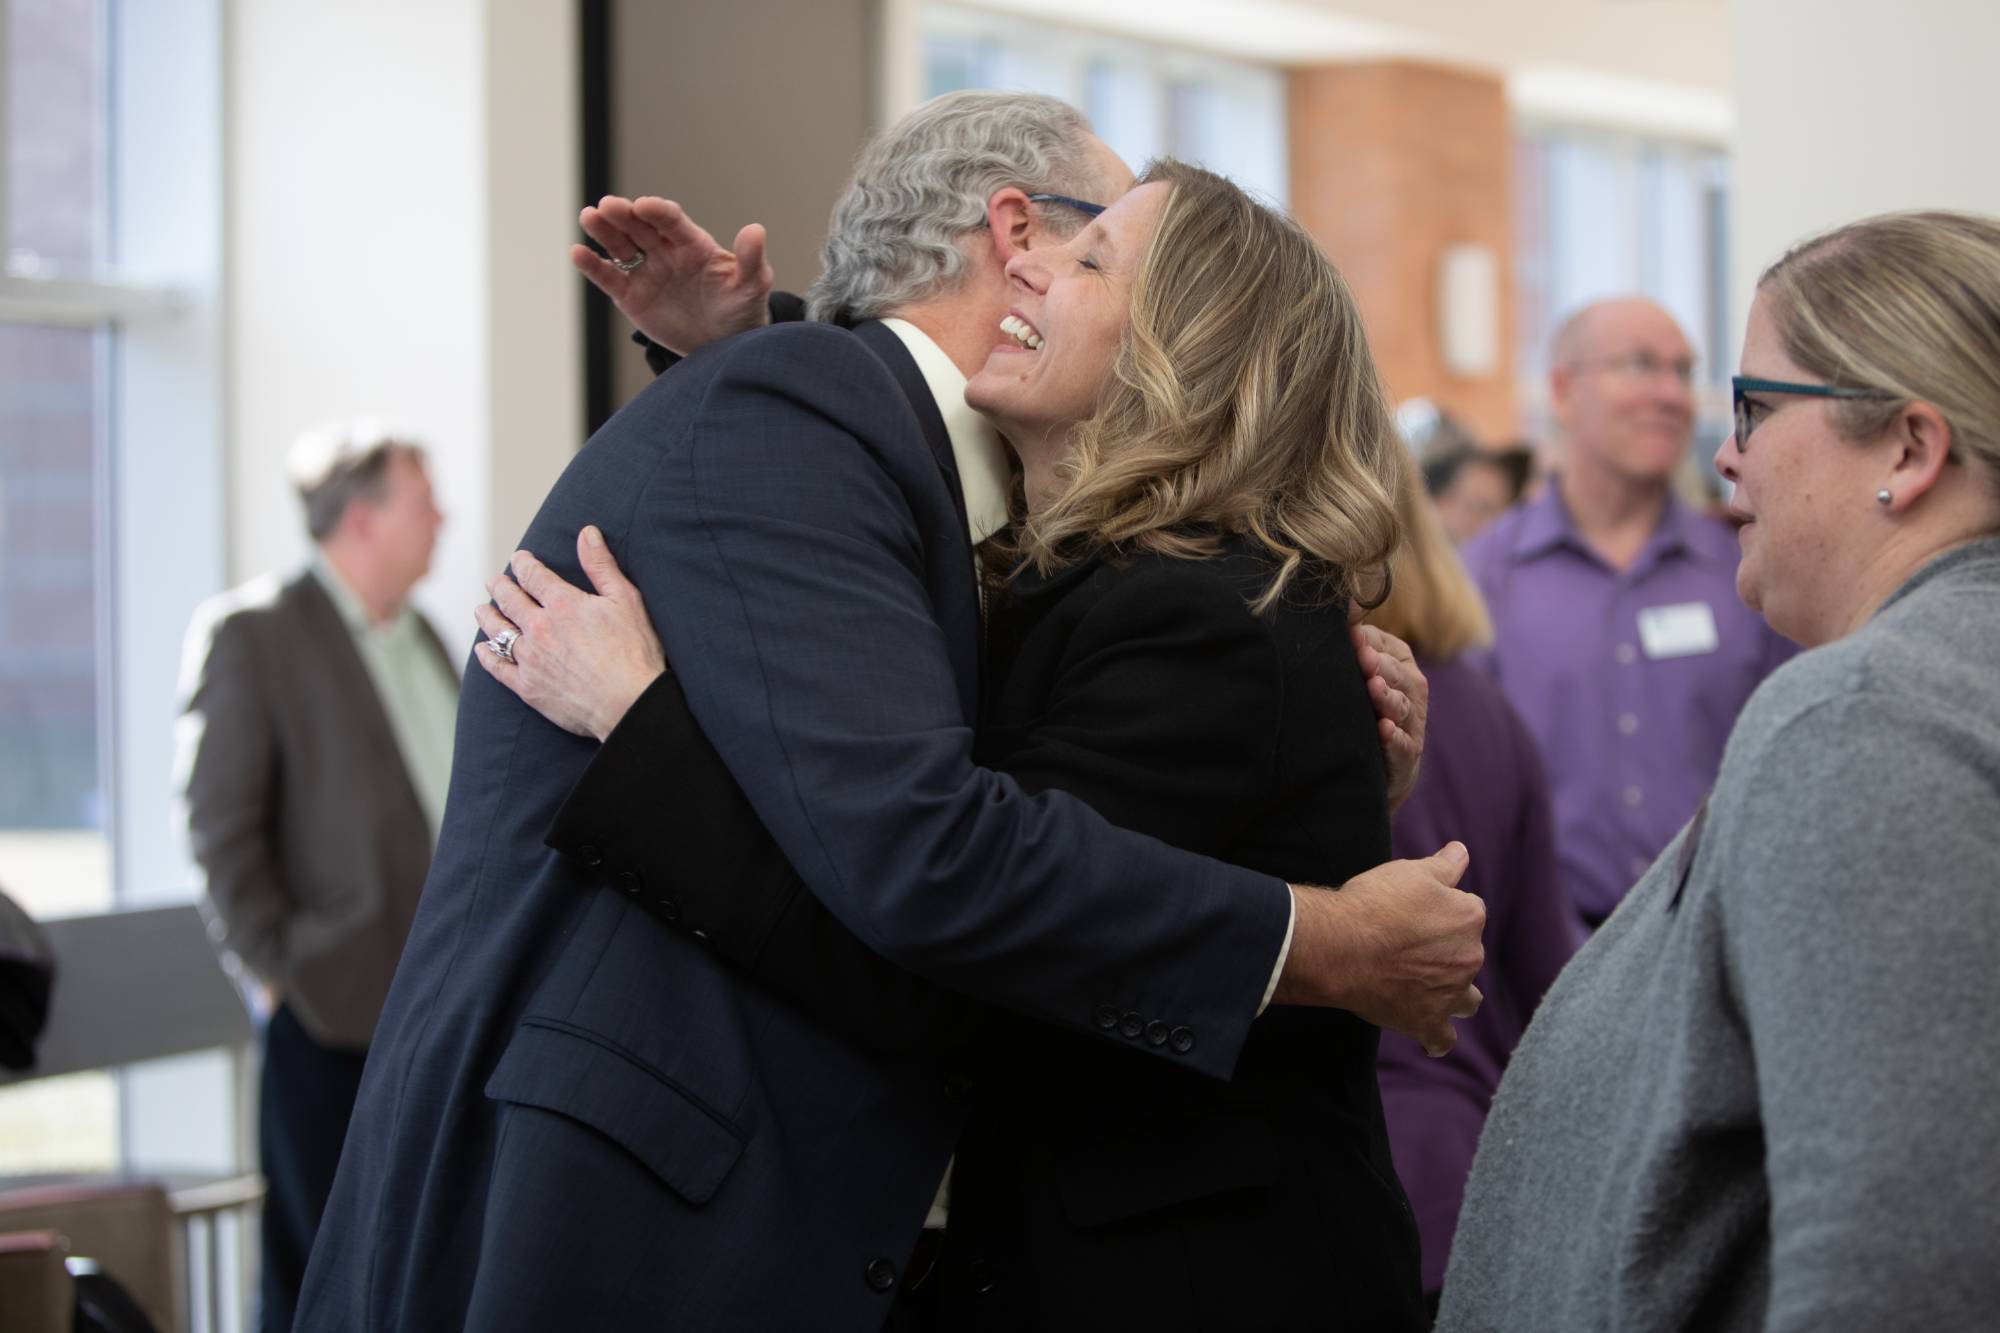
pixel 534 334
pixel 750 111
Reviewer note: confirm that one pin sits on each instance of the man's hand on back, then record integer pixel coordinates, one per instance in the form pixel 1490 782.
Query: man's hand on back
pixel 1398 946
pixel 687 290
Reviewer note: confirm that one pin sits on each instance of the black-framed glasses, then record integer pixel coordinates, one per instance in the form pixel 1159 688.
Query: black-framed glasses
pixel 1089 210
pixel 1741 386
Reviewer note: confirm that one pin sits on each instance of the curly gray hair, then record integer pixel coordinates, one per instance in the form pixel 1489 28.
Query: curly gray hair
pixel 922 184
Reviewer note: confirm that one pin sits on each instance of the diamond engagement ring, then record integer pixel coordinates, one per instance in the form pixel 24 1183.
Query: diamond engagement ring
pixel 503 644
pixel 627 265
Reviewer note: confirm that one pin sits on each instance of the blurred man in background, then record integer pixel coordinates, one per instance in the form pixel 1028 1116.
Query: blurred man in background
pixel 1617 630
pixel 315 750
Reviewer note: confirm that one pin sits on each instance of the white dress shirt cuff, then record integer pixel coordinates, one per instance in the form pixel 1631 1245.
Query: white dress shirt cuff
pixel 1284 951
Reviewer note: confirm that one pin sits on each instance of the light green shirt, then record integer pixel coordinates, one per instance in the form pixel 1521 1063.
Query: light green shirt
pixel 418 692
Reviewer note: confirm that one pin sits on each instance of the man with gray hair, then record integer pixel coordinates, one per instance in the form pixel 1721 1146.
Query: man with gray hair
pixel 314 752
pixel 583 1110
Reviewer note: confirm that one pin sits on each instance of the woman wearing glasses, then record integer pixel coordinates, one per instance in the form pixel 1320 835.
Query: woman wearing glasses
pixel 1763 1096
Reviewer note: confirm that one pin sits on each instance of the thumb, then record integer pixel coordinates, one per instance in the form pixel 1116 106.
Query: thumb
pixel 598 564
pixel 1450 861
pixel 750 265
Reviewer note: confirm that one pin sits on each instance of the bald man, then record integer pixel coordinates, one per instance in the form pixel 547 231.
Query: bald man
pixel 1617 630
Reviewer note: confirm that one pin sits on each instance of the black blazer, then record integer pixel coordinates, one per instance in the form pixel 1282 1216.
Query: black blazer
pixel 1091 1192
pixel 1096 1188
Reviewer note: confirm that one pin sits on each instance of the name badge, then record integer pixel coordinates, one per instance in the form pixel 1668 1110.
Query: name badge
pixel 1682 630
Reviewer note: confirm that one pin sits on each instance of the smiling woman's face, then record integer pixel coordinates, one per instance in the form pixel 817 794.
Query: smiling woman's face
pixel 1053 353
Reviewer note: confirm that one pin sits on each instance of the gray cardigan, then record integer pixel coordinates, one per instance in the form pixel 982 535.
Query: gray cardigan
pixel 1766 1094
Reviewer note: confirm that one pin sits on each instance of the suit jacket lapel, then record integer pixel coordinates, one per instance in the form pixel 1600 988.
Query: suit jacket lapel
pixel 889 349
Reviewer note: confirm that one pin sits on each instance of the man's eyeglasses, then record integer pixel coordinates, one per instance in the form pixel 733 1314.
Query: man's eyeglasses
pixel 1089 210
pixel 1645 366
pixel 1741 386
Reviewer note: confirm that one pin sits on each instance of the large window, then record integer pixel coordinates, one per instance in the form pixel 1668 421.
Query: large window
pixel 1602 214
pixel 1144 99
pixel 110 520
pixel 54 844
pixel 56 173
pixel 54 850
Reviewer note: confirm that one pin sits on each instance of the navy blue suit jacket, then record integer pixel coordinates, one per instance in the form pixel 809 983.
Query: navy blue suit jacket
pixel 574 1116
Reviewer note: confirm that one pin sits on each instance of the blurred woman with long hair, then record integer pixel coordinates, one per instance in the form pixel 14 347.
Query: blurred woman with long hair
pixel 1481 783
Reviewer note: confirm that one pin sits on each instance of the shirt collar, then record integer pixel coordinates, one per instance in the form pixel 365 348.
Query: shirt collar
pixel 1676 534
pixel 976 446
pixel 1546 524
pixel 1543 526
pixel 348 602
pixel 1702 537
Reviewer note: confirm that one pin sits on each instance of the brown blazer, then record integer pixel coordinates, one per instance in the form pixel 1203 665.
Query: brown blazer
pixel 302 817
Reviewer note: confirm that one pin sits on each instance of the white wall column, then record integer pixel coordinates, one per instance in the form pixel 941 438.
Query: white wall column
pixel 401 190
pixel 1850 107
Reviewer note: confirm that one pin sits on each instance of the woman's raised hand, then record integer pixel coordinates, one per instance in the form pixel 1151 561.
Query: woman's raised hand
pixel 577 658
pixel 669 277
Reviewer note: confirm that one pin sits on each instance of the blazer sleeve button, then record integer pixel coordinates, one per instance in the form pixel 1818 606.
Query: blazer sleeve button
pixel 670 911
pixel 979 1276
pixel 590 856
pixel 1106 1017
pixel 1156 1033
pixel 1131 1025
pixel 881 1275
pixel 1182 1040
pixel 627 881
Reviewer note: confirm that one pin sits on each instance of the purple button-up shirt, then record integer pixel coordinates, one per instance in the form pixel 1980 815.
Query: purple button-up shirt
pixel 1629 682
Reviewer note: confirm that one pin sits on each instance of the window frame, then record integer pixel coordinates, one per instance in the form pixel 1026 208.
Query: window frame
pixel 1631 143
pixel 1067 59
pixel 157 300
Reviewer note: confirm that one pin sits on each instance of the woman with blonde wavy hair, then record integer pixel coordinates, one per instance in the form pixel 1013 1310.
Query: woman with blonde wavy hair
pixel 1209 472
pixel 1241 401
pixel 1208 478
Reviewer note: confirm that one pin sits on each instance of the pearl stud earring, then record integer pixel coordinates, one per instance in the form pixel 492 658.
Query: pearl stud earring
pixel 1883 497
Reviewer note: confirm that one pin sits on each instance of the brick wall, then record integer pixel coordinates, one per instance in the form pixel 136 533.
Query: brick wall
pixel 1392 163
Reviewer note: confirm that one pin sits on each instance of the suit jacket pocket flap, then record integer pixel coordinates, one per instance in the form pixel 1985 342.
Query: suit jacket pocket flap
pixel 1165 1165
pixel 577 1074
